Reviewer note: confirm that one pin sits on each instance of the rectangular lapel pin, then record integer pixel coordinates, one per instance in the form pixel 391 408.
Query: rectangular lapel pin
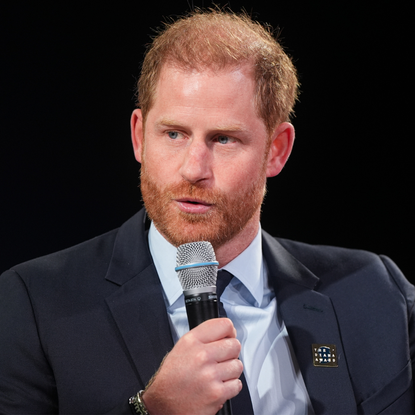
pixel 324 355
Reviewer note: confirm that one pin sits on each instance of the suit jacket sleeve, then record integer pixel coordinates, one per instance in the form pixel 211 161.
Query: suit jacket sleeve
pixel 75 332
pixel 26 379
pixel 27 383
pixel 408 292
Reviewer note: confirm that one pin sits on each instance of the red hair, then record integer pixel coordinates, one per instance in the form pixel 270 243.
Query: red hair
pixel 217 39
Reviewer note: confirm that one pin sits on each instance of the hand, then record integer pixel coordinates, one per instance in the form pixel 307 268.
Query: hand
pixel 199 374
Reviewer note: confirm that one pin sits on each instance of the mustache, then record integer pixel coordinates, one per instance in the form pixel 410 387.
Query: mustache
pixel 187 190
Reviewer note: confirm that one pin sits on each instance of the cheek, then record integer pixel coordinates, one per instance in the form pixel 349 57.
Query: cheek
pixel 250 169
pixel 237 181
pixel 158 166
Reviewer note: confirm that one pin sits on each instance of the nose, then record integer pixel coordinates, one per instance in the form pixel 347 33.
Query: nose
pixel 197 162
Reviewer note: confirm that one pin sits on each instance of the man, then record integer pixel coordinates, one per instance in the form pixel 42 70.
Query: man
pixel 313 329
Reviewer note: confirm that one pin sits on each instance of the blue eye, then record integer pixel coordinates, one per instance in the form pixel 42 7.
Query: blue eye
pixel 173 134
pixel 223 139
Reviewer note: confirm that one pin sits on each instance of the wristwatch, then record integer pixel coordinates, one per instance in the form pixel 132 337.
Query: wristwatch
pixel 137 404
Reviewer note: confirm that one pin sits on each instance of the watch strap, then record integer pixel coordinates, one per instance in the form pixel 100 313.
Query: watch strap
pixel 137 404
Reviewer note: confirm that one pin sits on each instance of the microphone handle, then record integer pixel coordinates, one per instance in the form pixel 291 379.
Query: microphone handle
pixel 199 308
pixel 226 409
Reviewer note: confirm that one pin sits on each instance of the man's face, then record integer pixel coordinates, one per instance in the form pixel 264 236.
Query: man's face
pixel 204 156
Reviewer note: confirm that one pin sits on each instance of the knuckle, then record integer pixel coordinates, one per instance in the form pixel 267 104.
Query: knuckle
pixel 216 393
pixel 187 339
pixel 236 367
pixel 240 366
pixel 202 357
pixel 228 324
pixel 233 345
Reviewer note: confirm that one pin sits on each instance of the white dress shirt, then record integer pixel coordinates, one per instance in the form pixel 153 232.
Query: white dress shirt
pixel 275 383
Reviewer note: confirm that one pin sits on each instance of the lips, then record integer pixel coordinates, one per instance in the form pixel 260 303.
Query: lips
pixel 193 205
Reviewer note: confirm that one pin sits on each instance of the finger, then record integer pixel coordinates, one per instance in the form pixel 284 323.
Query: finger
pixel 230 370
pixel 214 329
pixel 224 349
pixel 231 388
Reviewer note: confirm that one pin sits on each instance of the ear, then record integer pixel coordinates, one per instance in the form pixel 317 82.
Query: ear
pixel 137 133
pixel 282 142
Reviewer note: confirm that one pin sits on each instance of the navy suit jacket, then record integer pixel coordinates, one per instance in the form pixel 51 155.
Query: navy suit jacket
pixel 83 329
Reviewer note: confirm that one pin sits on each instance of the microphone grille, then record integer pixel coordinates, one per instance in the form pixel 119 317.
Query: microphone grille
pixel 198 276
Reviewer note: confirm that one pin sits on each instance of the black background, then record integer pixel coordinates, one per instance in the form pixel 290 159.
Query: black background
pixel 67 90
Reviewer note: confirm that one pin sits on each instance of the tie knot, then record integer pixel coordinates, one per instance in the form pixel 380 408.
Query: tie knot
pixel 224 278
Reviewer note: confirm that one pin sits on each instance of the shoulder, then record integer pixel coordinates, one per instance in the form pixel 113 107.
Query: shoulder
pixel 341 270
pixel 84 265
pixel 61 279
pixel 326 257
pixel 76 259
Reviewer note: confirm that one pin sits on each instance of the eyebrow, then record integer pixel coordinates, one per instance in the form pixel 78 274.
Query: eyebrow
pixel 169 122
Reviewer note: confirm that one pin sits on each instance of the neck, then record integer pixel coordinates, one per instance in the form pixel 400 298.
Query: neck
pixel 232 248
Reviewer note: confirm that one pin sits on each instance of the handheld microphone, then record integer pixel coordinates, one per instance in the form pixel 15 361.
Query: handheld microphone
pixel 197 269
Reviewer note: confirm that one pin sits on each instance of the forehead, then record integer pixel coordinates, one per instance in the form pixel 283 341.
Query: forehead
pixel 230 88
pixel 246 67
pixel 171 70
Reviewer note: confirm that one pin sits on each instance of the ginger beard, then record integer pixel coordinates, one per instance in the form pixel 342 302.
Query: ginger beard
pixel 228 215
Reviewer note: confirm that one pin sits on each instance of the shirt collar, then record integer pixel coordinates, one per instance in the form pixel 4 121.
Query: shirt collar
pixel 247 266
pixel 164 257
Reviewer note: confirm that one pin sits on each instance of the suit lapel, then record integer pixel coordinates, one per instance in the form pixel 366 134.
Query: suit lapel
pixel 138 306
pixel 310 319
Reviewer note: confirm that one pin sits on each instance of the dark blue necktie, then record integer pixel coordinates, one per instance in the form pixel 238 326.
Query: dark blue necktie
pixel 241 404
